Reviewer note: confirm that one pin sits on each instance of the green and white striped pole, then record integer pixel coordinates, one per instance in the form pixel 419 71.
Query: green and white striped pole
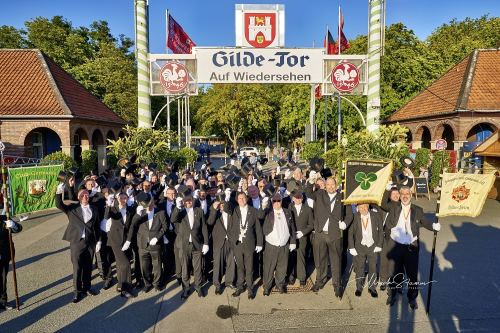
pixel 374 50
pixel 142 49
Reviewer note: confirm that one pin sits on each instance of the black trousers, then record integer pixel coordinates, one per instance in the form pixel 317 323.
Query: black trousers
pixel 297 260
pixel 403 259
pixel 151 267
pixel 190 256
pixel 105 258
pixel 359 261
pixel 4 269
pixel 178 257
pixel 137 263
pixel 384 274
pixel 224 264
pixel 123 268
pixel 244 266
pixel 328 250
pixel 275 265
pixel 82 254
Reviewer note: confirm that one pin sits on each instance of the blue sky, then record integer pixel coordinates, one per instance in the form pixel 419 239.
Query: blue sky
pixel 211 22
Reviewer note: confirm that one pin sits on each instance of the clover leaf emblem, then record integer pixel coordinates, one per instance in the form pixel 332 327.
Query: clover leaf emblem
pixel 365 179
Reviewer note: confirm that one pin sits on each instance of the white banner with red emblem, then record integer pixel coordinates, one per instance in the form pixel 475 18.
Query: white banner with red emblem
pixel 235 65
pixel 464 194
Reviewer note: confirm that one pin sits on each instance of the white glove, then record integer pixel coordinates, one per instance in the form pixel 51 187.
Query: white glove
pixel 342 225
pixel 98 246
pixel 122 173
pixel 204 249
pixel 153 241
pixel 389 186
pixel 292 247
pixel 265 202
pixel 299 234
pixel 60 188
pixel 377 249
pixel 258 249
pixel 139 210
pixel 312 177
pixel 278 170
pixel 110 201
pixel 163 179
pixel 130 190
pixel 196 193
pixel 353 252
pixel 436 226
pixel 228 194
pixel 287 174
pixel 310 202
pixel 178 203
pixel 10 224
pixel 125 246
pixel 165 240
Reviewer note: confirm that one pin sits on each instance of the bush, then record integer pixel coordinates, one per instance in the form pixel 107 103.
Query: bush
pixel 422 159
pixel 440 158
pixel 186 156
pixel 112 160
pixel 59 156
pixel 312 149
pixel 89 161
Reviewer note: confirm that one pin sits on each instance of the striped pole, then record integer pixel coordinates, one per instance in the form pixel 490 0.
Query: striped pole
pixel 374 49
pixel 142 49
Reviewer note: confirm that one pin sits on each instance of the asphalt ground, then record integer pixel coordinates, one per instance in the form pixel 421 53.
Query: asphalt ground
pixel 465 294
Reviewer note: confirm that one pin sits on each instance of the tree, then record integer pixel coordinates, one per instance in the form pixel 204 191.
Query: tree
pixel 235 111
pixel 11 38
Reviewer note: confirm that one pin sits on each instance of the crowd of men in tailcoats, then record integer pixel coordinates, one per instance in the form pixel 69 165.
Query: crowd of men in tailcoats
pixel 232 227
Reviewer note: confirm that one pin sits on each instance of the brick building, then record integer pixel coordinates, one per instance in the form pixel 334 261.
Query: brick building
pixel 462 106
pixel 43 109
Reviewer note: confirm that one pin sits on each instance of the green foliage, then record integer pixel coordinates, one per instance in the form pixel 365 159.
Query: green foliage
pixel 11 38
pixel 112 160
pixel 312 149
pixel 388 144
pixel 148 144
pixel 186 155
pixel 59 156
pixel 422 159
pixel 439 165
pixel 89 161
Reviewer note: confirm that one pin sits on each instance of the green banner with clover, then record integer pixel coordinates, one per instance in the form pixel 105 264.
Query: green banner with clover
pixel 33 188
pixel 365 181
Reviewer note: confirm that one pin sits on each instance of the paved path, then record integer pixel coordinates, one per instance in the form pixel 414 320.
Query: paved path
pixel 466 296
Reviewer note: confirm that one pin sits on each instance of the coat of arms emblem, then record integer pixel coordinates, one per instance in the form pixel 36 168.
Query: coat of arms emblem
pixel 260 29
pixel 460 193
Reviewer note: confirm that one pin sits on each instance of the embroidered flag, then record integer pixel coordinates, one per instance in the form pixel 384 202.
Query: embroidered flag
pixel 366 180
pixel 178 40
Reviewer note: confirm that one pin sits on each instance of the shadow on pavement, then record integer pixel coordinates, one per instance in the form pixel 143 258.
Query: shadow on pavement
pixel 33 259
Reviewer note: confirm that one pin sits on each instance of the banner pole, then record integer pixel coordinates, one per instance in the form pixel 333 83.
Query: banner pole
pixel 7 215
pixel 433 255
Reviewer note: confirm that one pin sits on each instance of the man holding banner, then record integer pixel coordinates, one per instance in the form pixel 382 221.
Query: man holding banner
pixel 5 255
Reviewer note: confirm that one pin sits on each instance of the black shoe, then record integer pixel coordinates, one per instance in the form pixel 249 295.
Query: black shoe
pixel 139 285
pixel 282 290
pixel 92 292
pixel 292 281
pixel 383 286
pixel 6 307
pixel 251 294
pixel 391 300
pixel 179 281
pixel 267 292
pixel 185 294
pixel 200 293
pixel 77 298
pixel 118 289
pixel 316 287
pixel 302 283
pixel 107 284
pixel 373 292
pixel 338 291
pixel 147 289
pixel 413 304
pixel 238 292
pixel 357 293
pixel 126 294
pixel 218 290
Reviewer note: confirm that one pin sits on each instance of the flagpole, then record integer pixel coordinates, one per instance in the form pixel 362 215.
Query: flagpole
pixel 339 115
pixel 326 99
pixel 166 29
pixel 433 255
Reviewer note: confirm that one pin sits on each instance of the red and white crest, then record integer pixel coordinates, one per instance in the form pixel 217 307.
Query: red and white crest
pixel 345 77
pixel 174 77
pixel 260 29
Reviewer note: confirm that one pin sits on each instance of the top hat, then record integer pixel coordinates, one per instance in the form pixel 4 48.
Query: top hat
pixel 134 181
pixel 143 199
pixel 233 180
pixel 263 161
pixel 325 173
pixel 101 181
pixel 246 169
pixel 269 189
pixel 399 178
pixel 316 164
pixel 294 187
pixel 171 180
pixel 407 162
pixel 221 196
pixel 233 156
pixel 202 187
pixel 114 187
pixel 184 191
pixel 61 177
pixel 152 166
pixel 282 162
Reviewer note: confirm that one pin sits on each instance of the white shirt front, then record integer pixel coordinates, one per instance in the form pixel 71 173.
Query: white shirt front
pixel 87 215
pixel 190 215
pixel 331 196
pixel 298 208
pixel 256 203
pixel 123 211
pixel 401 233
pixel 280 234
pixel 170 205
pixel 367 233
pixel 243 223
pixel 225 217
pixel 150 219
pixel 203 204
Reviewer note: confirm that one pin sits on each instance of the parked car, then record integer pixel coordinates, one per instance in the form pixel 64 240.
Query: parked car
pixel 248 150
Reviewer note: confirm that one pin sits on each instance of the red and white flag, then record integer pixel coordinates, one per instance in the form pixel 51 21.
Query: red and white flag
pixel 342 43
pixel 178 40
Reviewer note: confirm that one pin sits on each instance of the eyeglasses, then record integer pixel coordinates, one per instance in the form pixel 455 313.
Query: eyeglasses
pixel 276 201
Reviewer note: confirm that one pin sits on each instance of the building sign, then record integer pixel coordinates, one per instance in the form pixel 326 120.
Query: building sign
pixel 260 26
pixel 235 65
pixel 174 77
pixel 441 144
pixel 345 77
